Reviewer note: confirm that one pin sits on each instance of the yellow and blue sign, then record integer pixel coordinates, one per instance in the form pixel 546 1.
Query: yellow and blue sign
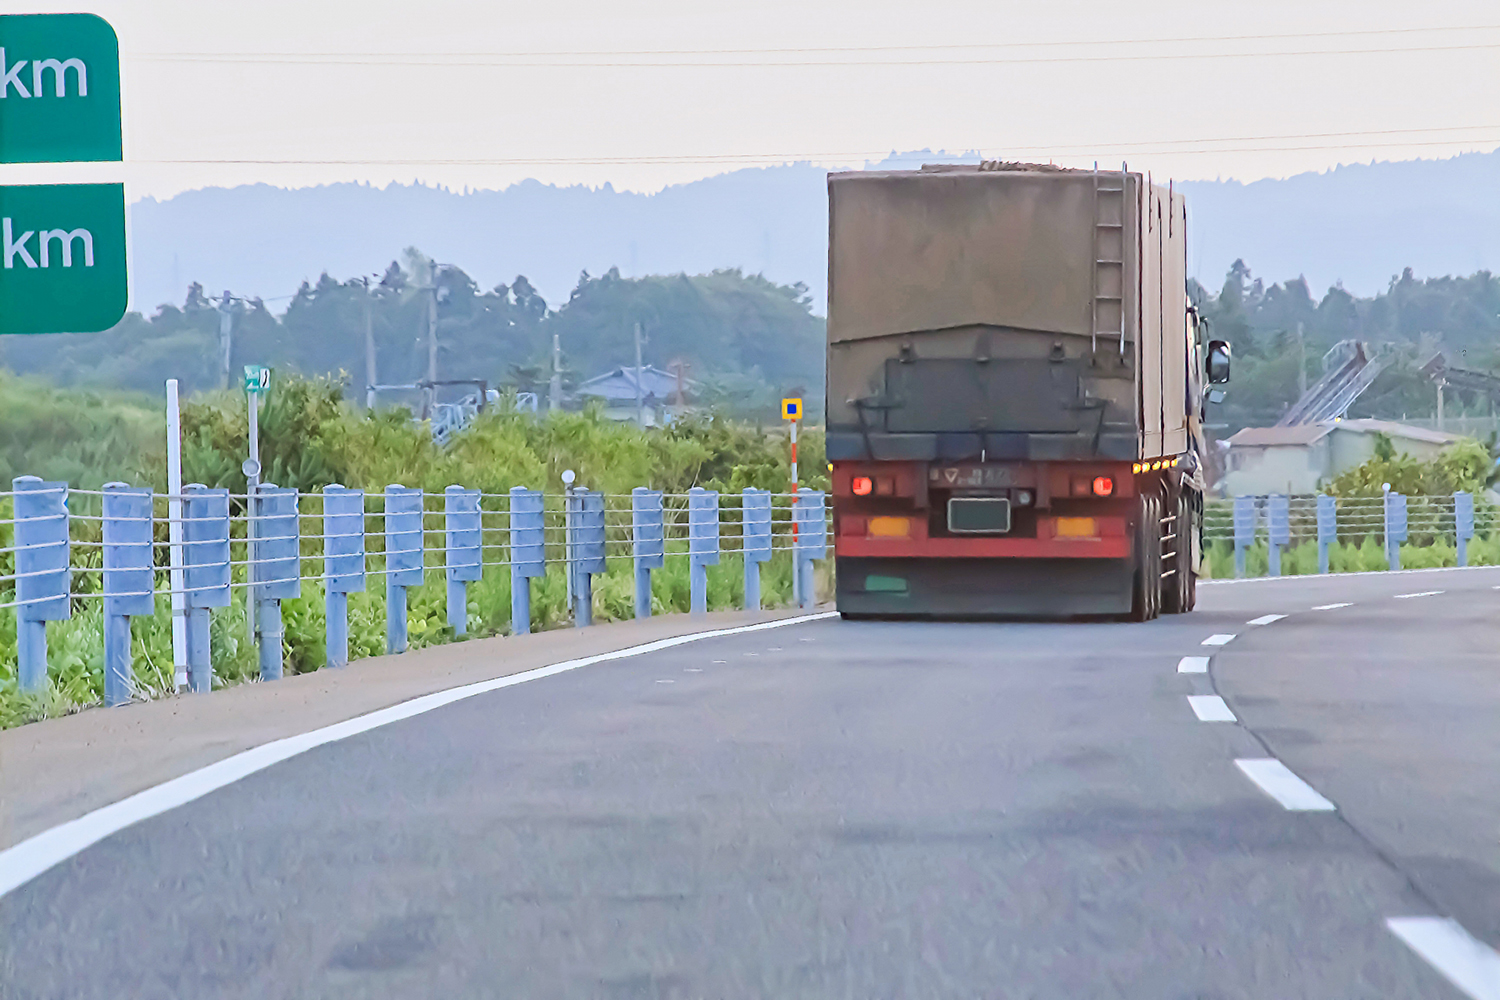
pixel 791 409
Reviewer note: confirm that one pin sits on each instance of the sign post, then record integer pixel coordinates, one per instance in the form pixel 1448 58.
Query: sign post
pixel 257 381
pixel 62 246
pixel 791 410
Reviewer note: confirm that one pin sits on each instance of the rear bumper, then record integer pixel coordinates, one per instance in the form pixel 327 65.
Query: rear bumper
pixel 983 588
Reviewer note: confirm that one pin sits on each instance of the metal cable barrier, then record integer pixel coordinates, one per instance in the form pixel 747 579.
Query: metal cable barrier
pixel 1275 535
pixel 63 548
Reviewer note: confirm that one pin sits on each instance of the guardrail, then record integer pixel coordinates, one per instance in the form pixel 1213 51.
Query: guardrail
pixel 115 545
pixel 1410 530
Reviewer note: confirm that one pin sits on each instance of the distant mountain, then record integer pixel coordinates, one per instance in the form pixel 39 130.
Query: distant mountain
pixel 1359 225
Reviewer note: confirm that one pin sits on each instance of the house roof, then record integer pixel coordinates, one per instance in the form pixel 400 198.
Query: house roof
pixel 620 384
pixel 1264 437
pixel 1306 434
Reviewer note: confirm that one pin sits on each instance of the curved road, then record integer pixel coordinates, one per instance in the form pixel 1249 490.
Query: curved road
pixel 859 810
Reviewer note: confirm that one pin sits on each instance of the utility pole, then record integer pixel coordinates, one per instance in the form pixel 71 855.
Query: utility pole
pixel 370 379
pixel 226 334
pixel 1440 385
pixel 1301 363
pixel 640 392
pixel 430 396
pixel 554 387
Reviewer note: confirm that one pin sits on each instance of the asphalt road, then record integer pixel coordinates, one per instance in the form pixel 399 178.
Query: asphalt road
pixel 860 810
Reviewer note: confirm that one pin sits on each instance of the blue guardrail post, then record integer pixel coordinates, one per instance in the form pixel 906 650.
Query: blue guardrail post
pixel 646 543
pixel 279 557
pixel 1278 529
pixel 343 564
pixel 1244 531
pixel 403 559
pixel 128 584
pixel 1328 528
pixel 463 555
pixel 205 557
pixel 1463 524
pixel 42 579
pixel 528 552
pixel 812 540
pixel 703 545
pixel 588 550
pixel 756 541
pixel 1395 527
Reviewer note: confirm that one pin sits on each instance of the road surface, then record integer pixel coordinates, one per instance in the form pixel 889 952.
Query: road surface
pixel 859 810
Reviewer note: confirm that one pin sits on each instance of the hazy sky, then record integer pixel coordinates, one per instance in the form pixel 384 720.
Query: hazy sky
pixel 641 94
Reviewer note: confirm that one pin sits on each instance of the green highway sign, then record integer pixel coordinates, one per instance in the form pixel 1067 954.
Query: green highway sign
pixel 257 378
pixel 62 258
pixel 59 89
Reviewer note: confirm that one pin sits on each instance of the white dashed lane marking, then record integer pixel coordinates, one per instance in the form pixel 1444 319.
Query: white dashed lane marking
pixel 1193 665
pixel 1331 607
pixel 1218 640
pixel 1273 778
pixel 665 680
pixel 1469 964
pixel 1420 593
pixel 1210 708
pixel 1265 619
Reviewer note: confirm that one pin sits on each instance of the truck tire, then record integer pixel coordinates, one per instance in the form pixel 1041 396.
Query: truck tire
pixel 1146 600
pixel 1181 590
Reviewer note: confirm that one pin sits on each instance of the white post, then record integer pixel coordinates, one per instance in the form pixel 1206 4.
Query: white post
pixel 174 535
pixel 252 480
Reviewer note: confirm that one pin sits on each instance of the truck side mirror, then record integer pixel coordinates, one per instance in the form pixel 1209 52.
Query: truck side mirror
pixel 1218 362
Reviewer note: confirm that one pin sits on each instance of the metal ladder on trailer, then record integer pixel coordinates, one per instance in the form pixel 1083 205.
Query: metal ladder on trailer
pixel 1109 258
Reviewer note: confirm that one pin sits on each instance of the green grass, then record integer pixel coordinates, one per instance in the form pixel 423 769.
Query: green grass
pixel 1367 555
pixel 75 646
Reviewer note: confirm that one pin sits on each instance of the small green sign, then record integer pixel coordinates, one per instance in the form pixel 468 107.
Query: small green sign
pixel 59 89
pixel 257 378
pixel 62 258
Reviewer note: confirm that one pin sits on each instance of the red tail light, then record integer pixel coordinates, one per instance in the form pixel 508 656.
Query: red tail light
pixel 862 486
pixel 1103 486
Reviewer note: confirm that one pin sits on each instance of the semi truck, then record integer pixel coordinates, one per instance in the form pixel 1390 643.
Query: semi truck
pixel 1016 392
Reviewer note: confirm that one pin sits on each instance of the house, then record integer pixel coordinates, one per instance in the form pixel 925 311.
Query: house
pixel 1304 457
pixel 664 396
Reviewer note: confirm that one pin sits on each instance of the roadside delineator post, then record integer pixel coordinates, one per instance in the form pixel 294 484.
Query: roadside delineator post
pixel 126 529
pixel 1278 530
pixel 1244 531
pixel 1328 527
pixel 42 578
pixel 343 564
pixel 527 553
pixel 1395 527
pixel 403 559
pixel 463 558
pixel 278 555
pixel 648 548
pixel 810 542
pixel 205 533
pixel 755 536
pixel 703 545
pixel 1463 524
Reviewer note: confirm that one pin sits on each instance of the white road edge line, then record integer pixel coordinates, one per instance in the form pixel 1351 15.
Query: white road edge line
pixel 30 858
pixel 1341 604
pixel 1210 708
pixel 1193 665
pixel 1420 593
pixel 1276 780
pixel 1220 639
pixel 1467 963
pixel 1265 619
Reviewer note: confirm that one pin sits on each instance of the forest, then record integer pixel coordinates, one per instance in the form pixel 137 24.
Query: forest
pixel 1281 332
pixel 744 340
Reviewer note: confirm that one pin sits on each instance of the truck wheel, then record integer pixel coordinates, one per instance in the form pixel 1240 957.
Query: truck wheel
pixel 1182 591
pixel 1146 599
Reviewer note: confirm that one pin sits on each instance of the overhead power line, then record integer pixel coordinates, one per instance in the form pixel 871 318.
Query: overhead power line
pixel 835 55
pixel 1376 139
